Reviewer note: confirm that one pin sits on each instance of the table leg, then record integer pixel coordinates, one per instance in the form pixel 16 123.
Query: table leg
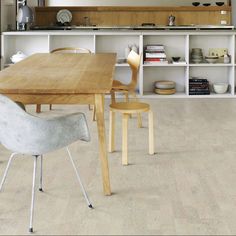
pixel 99 108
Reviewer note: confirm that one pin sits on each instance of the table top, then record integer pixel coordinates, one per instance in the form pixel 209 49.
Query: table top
pixel 46 73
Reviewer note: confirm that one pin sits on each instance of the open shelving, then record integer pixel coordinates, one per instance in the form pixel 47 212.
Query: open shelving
pixel 177 43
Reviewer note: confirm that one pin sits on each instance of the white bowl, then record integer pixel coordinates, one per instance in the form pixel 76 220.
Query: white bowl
pixel 220 88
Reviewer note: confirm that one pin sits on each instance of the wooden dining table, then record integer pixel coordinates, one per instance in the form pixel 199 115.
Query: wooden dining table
pixel 45 78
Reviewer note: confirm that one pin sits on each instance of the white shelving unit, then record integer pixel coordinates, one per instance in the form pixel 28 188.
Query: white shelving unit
pixel 177 43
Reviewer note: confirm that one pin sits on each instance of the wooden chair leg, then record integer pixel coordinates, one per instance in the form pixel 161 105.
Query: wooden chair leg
pixel 94 113
pixel 90 107
pixel 139 114
pixel 151 132
pixel 50 107
pixel 113 97
pixel 112 132
pixel 38 108
pixel 125 119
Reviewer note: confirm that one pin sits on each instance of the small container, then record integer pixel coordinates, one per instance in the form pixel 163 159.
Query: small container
pixel 227 59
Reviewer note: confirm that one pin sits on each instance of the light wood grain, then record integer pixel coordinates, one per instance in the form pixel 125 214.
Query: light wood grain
pixel 64 79
pixel 46 73
pixel 112 124
pixel 104 16
pixel 99 104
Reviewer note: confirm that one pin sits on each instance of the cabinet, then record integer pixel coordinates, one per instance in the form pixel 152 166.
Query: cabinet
pixel 177 43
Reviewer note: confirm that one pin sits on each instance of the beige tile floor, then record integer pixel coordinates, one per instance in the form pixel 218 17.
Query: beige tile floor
pixel 187 188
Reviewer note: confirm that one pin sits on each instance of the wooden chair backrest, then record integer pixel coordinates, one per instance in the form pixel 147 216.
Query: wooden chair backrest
pixel 71 50
pixel 134 63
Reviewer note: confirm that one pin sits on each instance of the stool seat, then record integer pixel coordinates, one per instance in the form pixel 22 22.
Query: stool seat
pixel 130 107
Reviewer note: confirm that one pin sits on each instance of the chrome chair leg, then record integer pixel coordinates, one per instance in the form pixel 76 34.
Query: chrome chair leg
pixel 80 182
pixel 6 171
pixel 41 174
pixel 33 196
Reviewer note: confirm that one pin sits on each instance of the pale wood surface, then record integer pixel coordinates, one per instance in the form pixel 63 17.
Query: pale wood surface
pixel 104 16
pixel 45 73
pixel 64 79
pixel 99 104
pixel 112 124
pixel 130 107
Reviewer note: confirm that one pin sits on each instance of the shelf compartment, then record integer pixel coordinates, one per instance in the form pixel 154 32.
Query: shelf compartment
pixel 205 42
pixel 165 65
pixel 215 75
pixel 175 45
pixel 26 44
pixel 152 74
pixel 116 44
pixel 78 41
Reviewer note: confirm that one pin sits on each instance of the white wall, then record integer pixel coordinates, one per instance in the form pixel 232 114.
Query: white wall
pixel 125 2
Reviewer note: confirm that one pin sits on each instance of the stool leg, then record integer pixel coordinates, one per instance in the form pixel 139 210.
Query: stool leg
pixel 139 114
pixel 38 108
pixel 113 97
pixel 125 139
pixel 151 132
pixel 112 132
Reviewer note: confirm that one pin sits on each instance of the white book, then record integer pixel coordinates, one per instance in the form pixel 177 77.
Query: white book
pixel 155 47
pixel 155 62
pixel 155 55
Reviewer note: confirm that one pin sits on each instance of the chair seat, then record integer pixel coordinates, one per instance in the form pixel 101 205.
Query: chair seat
pixel 130 107
pixel 117 85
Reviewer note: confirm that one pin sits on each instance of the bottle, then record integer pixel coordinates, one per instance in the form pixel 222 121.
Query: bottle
pixel 127 51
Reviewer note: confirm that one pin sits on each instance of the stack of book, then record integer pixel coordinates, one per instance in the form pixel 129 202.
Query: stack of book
pixel 155 54
pixel 199 86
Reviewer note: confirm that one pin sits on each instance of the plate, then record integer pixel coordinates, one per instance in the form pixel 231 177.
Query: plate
pixel 64 16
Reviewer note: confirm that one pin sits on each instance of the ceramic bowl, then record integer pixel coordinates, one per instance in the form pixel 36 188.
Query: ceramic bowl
pixel 196 4
pixel 206 4
pixel 164 84
pixel 220 3
pixel 220 88
pixel 175 59
pixel 211 59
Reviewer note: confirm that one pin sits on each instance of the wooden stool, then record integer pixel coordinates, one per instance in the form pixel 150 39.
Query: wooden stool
pixel 126 109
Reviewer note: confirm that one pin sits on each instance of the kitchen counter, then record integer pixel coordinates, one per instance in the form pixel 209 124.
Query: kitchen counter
pixel 126 27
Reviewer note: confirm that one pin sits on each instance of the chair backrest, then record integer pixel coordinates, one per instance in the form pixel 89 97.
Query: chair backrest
pixel 134 63
pixel 71 50
pixel 24 133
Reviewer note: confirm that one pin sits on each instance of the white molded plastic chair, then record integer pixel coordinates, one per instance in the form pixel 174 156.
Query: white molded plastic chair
pixel 23 133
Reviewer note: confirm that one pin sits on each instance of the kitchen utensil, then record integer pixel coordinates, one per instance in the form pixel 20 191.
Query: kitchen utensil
pixel 19 56
pixel 220 88
pixel 171 20
pixel 64 16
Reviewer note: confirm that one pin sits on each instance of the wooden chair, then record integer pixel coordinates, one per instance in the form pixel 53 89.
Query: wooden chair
pixel 64 50
pixel 128 89
pixel 127 108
